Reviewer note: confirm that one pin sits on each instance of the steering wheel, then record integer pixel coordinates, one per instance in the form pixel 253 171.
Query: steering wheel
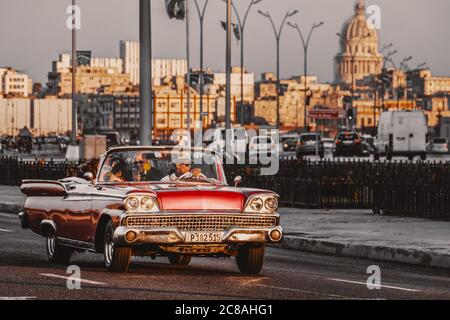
pixel 189 175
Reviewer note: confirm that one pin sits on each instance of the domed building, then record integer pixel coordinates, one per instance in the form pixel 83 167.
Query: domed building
pixel 359 48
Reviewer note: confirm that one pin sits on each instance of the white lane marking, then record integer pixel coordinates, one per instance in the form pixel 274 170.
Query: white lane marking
pixel 11 216
pixel 67 278
pixel 17 298
pixel 4 230
pixel 303 291
pixel 382 286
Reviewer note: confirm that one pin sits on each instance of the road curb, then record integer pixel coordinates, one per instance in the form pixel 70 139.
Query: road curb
pixel 10 207
pixel 382 253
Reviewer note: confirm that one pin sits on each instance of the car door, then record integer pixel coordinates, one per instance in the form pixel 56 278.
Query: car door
pixel 79 213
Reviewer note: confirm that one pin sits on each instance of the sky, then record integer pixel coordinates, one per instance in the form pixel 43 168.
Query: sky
pixel 33 33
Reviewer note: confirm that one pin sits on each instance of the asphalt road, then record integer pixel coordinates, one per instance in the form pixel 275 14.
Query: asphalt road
pixel 25 274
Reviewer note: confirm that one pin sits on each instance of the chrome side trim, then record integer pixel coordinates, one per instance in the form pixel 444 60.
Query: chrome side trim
pixel 76 244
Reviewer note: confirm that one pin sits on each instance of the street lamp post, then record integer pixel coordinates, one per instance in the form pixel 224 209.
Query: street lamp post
pixel 146 99
pixel 201 15
pixel 74 73
pixel 228 75
pixel 387 58
pixel 278 38
pixel 305 45
pixel 188 58
pixel 241 24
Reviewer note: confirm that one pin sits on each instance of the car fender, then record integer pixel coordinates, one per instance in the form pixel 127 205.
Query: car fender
pixel 45 225
pixel 106 215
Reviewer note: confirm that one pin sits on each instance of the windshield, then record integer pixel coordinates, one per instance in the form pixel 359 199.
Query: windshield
pixel 309 137
pixel 347 136
pixel 440 141
pixel 157 166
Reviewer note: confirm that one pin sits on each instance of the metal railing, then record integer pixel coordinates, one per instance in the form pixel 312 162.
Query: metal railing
pixel 413 189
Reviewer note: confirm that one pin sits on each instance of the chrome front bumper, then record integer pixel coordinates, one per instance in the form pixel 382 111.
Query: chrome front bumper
pixel 173 236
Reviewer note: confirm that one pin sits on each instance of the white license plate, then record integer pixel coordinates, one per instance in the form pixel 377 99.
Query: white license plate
pixel 203 237
pixel 348 142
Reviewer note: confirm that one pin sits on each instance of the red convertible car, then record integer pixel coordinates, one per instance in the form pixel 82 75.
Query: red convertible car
pixel 145 201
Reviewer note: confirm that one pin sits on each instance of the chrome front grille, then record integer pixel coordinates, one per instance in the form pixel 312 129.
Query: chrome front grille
pixel 210 222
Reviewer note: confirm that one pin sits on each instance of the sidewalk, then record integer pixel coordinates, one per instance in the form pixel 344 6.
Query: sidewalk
pixel 11 199
pixel 358 233
pixel 352 233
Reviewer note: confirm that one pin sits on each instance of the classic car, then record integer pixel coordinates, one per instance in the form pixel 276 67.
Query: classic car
pixel 145 201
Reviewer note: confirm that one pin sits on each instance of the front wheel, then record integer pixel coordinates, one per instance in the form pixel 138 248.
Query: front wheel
pixel 56 253
pixel 179 259
pixel 250 259
pixel 116 259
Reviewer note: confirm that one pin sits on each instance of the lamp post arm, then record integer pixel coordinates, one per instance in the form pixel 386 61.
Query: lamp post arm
pixel 282 25
pixel 274 28
pixel 246 14
pixel 201 12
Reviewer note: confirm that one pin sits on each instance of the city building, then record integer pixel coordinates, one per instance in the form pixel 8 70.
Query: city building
pixel 425 84
pixel 14 84
pixel 292 100
pixel 161 68
pixel 219 85
pixel 89 79
pixel 359 55
pixel 120 112
pixel 41 116
pixel 110 63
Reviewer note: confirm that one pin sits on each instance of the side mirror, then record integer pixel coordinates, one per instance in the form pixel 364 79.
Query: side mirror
pixel 237 181
pixel 88 176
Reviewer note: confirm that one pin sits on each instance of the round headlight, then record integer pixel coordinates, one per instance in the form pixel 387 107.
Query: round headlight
pixel 271 204
pixel 256 204
pixel 132 203
pixel 147 203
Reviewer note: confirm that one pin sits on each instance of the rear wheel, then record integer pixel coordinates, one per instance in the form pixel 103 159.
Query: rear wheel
pixel 179 259
pixel 250 259
pixel 56 253
pixel 116 259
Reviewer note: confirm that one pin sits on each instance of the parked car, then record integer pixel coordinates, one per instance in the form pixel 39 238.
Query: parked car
pixel 289 142
pixel 438 146
pixel 310 144
pixel 348 144
pixel 152 201
pixel 262 146
pixel 367 145
pixel 402 133
pixel 328 145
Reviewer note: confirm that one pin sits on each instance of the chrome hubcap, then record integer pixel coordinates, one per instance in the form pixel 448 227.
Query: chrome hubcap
pixel 51 243
pixel 109 248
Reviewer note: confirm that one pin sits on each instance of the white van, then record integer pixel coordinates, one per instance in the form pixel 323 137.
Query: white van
pixel 402 133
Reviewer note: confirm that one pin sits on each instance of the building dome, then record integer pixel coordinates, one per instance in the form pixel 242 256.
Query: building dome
pixel 359 27
pixel 359 48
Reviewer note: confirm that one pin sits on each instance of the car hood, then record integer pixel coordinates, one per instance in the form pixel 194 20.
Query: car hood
pixel 201 198
pixel 194 198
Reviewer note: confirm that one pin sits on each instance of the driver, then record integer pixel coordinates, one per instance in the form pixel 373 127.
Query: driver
pixel 144 169
pixel 181 168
